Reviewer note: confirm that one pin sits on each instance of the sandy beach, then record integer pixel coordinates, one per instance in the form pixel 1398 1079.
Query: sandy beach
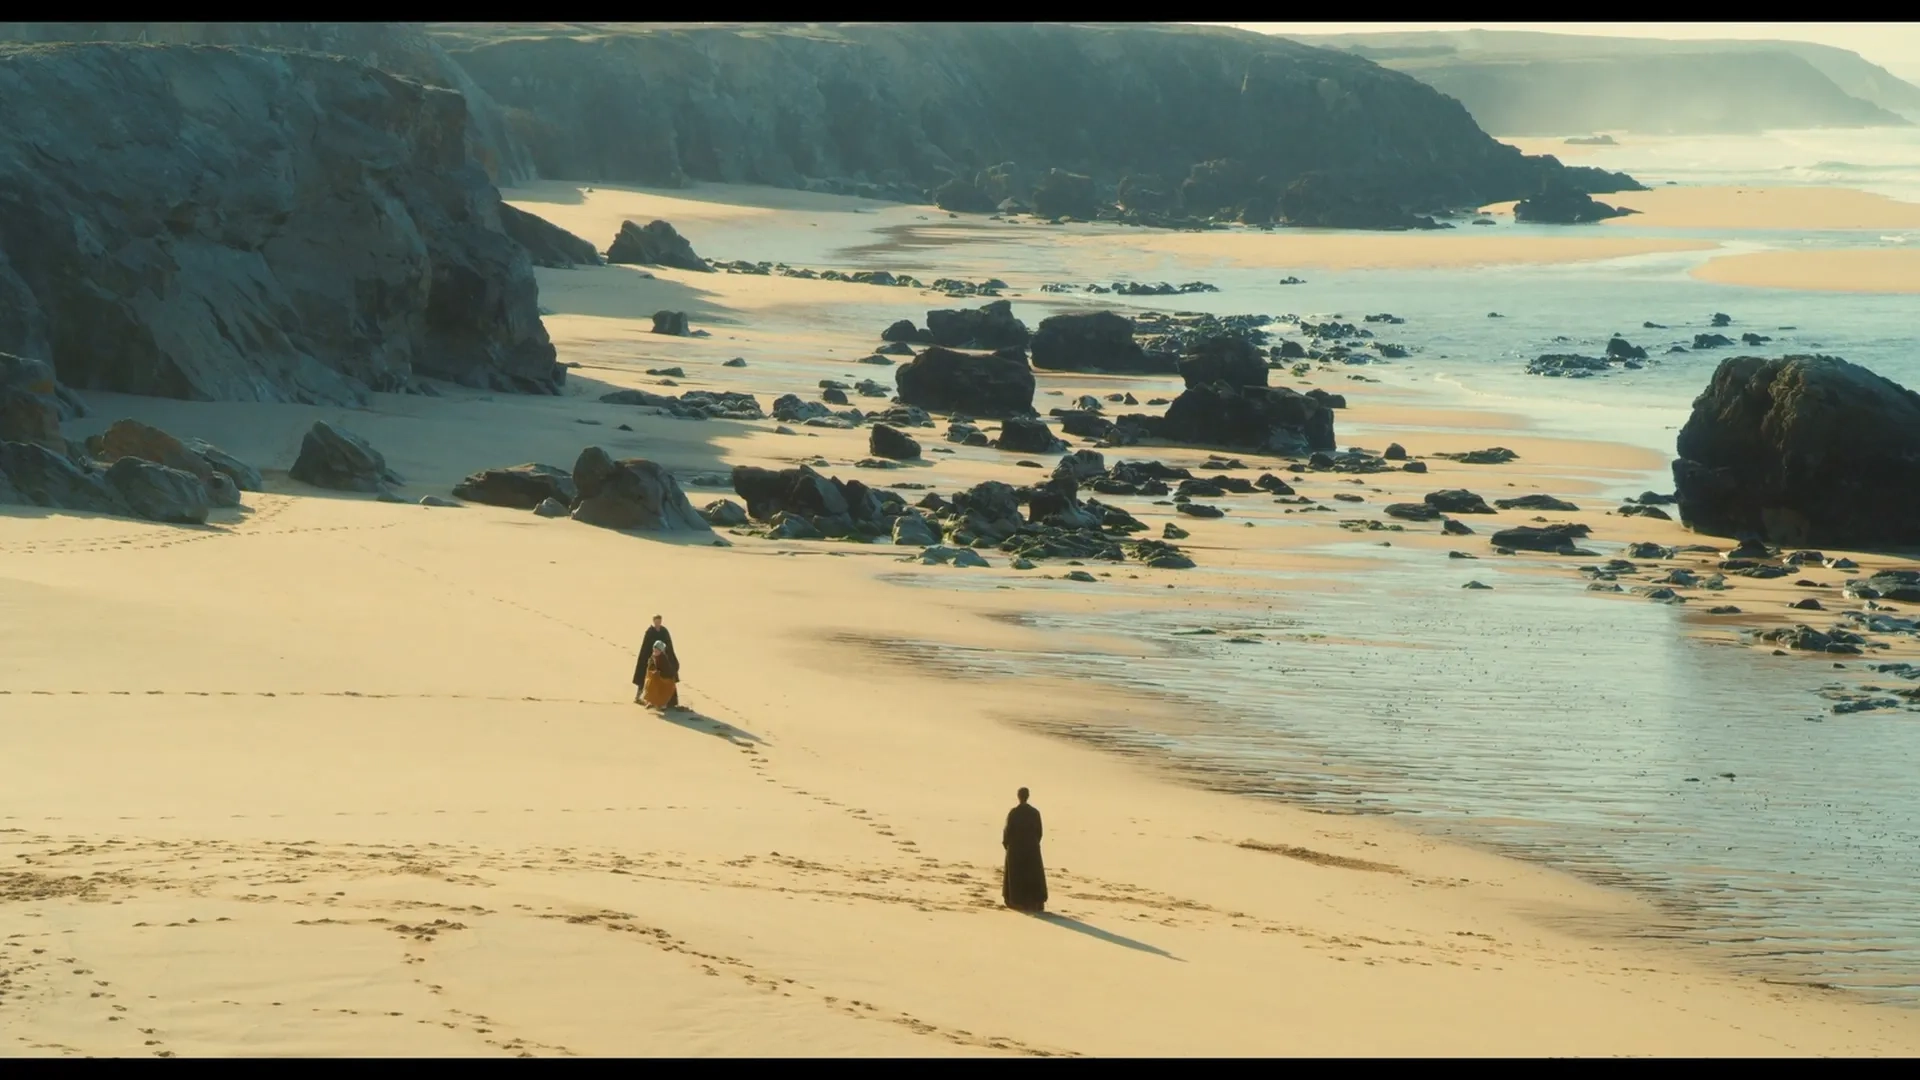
pixel 330 776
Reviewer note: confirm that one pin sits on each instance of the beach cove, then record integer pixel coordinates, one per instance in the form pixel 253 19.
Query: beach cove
pixel 336 776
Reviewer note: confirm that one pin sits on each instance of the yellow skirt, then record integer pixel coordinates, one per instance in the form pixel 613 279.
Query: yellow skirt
pixel 657 691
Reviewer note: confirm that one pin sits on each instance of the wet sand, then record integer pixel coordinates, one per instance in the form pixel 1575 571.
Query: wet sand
pixel 331 776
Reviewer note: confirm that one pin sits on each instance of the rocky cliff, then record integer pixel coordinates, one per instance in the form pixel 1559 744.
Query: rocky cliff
pixel 896 110
pixel 400 48
pixel 248 224
pixel 1522 83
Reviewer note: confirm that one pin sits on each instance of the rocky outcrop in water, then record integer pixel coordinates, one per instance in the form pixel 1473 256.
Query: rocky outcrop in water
pixel 948 108
pixel 1563 205
pixel 260 226
pixel 1802 450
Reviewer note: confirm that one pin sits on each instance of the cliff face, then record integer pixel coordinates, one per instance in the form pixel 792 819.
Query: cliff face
pixel 898 109
pixel 400 48
pixel 244 224
pixel 1517 83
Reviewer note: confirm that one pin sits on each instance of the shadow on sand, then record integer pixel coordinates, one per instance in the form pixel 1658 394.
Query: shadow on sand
pixel 1111 938
pixel 694 721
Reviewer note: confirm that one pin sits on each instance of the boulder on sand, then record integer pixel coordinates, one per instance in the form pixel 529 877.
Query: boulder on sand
pixel 1027 436
pixel 547 244
pixel 990 326
pixel 891 442
pixel 999 385
pixel 520 487
pixel 159 493
pixel 133 439
pixel 1802 450
pixel 632 493
pixel 30 403
pixel 1457 501
pixel 1272 419
pixel 37 476
pixel 671 322
pixel 655 244
pixel 339 460
pixel 1222 358
pixel 1555 538
pixel 1094 341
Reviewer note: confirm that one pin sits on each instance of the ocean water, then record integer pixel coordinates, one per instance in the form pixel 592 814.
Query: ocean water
pixel 1589 733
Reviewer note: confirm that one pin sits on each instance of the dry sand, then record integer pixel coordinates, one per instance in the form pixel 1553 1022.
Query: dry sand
pixel 331 776
pixel 1868 270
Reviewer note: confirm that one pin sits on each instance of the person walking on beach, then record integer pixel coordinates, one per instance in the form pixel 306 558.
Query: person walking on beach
pixel 1025 886
pixel 656 634
pixel 661 689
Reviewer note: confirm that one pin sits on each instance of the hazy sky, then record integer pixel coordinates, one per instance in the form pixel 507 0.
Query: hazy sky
pixel 1894 46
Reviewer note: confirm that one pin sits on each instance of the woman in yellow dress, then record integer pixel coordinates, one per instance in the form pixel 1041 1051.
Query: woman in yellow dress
pixel 663 677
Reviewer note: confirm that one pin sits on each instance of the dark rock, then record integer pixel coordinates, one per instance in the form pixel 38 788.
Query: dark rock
pixel 552 508
pixel 1900 586
pixel 738 361
pixel 159 493
pixel 655 244
pixel 1200 510
pixel 38 476
pixel 244 476
pixel 1094 341
pixel 1268 419
pixel 1567 364
pixel 1619 349
pixel 30 402
pixel 176 261
pixel 1560 205
pixel 1027 436
pixel 834 396
pixel 1234 361
pixel 1413 512
pixel 1802 450
pixel 1082 466
pixel 1637 510
pixel 1455 528
pixel 1331 401
pixel 999 385
pixel 1497 455
pixel 1536 502
pixel 1721 318
pixel 1273 485
pixel 1415 467
pixel 1554 538
pixel 547 244
pixel 1458 501
pixel 632 493
pixel 1711 341
pixel 670 322
pixel 339 460
pixel 889 442
pixel 131 438
pixel 991 326
pixel 1754 339
pixel 1084 424
pixel 1475 585
pixel 519 487
pixel 902 332
pixel 1170 531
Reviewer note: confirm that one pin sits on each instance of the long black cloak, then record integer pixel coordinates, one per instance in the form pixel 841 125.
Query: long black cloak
pixel 1025 887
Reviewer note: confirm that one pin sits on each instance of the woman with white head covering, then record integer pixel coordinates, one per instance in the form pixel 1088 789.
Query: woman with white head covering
pixel 663 678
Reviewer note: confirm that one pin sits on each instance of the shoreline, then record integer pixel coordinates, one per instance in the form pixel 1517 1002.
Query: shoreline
pixel 354 759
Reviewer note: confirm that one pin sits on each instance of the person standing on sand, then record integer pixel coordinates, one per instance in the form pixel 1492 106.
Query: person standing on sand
pixel 656 634
pixel 1025 885
pixel 663 674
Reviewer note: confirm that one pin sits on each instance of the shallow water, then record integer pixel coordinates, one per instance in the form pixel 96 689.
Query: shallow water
pixel 1586 733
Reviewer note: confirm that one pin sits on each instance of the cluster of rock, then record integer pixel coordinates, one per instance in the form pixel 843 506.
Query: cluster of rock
pixel 132 470
pixel 949 286
pixel 801 504
pixel 626 494
pixel 694 404
pixel 1131 288
pixel 1801 450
